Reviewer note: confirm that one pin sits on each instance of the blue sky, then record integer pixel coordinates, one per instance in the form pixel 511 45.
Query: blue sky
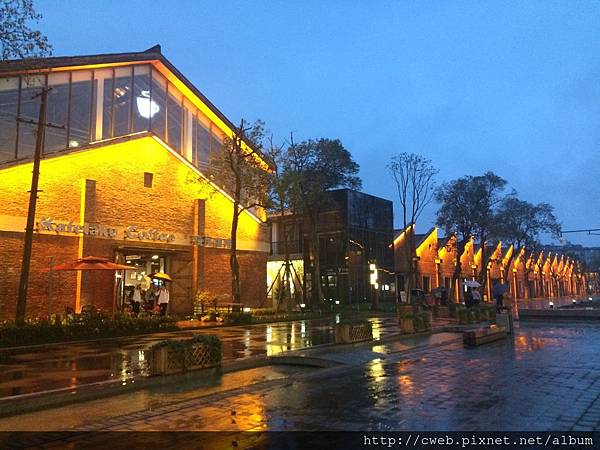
pixel 512 87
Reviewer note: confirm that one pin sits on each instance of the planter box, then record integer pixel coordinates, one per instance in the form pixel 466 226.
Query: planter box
pixel 440 311
pixel 166 360
pixel 407 325
pixel 483 336
pixel 427 319
pixel 505 320
pixel 347 333
pixel 406 309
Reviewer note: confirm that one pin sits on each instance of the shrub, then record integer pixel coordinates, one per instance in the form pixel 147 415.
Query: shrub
pixel 462 315
pixel 203 301
pixel 452 309
pixel 76 327
pixel 237 319
pixel 419 322
pixel 259 312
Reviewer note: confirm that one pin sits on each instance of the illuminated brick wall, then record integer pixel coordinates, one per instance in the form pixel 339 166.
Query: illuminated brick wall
pixel 120 200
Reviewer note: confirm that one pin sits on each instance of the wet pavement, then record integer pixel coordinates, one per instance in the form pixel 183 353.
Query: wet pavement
pixel 547 378
pixel 156 401
pixel 68 365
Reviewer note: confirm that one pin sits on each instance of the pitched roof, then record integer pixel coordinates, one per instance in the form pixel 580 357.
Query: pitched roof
pixel 442 241
pixel 152 54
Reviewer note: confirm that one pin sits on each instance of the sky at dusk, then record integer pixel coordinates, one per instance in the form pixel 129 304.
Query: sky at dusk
pixel 508 86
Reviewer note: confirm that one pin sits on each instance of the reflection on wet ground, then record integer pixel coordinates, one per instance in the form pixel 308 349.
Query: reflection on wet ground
pixel 67 365
pixel 153 398
pixel 500 386
pixel 548 378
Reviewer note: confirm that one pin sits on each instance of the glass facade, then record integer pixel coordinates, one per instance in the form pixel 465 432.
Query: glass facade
pixel 91 105
pixel 354 232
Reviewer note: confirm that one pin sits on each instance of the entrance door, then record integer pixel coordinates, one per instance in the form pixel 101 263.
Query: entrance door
pixel 146 264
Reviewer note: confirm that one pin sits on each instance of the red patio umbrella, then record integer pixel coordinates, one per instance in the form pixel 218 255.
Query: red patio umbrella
pixel 93 263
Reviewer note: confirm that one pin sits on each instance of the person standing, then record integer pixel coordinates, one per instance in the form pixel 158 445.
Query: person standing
pixel 476 297
pixel 150 297
pixel 163 299
pixel 469 297
pixel 498 293
pixel 136 300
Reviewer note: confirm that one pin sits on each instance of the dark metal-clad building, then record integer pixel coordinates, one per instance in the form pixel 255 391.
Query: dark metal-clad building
pixel 355 232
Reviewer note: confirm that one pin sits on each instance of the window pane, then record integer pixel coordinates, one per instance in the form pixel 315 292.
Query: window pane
pixel 122 101
pixel 216 147
pixel 143 107
pixel 159 97
pixel 30 110
pixel 9 96
pixel 107 108
pixel 194 140
pixel 216 142
pixel 174 119
pixel 56 113
pixel 202 147
pixel 81 107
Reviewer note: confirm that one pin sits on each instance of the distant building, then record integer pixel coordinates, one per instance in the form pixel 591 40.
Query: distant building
pixel 589 256
pixel 355 231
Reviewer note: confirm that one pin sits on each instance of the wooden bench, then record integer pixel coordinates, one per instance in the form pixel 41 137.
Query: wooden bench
pixel 480 336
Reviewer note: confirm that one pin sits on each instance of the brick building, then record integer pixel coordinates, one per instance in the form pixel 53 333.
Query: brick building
pixel 127 178
pixel 528 275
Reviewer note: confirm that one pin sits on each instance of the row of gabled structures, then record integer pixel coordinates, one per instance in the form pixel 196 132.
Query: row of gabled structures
pixel 528 274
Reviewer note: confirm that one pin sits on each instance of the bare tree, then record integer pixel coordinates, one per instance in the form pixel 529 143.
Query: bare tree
pixel 17 39
pixel 280 203
pixel 414 178
pixel 241 167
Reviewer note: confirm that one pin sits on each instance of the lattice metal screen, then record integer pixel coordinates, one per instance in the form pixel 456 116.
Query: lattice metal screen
pixel 198 356
pixel 360 334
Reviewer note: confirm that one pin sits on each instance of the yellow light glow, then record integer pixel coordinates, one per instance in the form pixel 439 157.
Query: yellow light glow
pixel 59 174
pixel 431 238
pixel 401 236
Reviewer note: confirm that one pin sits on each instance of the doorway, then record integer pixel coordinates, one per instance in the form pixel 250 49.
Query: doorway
pixel 146 263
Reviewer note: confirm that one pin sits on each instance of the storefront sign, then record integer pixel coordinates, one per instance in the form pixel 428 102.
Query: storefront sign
pixel 133 232
pixel 206 241
pixel 98 230
pixel 88 229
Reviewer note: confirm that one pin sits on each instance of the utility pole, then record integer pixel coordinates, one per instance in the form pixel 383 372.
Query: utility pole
pixel 29 229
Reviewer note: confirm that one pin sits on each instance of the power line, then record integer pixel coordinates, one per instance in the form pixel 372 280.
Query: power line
pixel 589 231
